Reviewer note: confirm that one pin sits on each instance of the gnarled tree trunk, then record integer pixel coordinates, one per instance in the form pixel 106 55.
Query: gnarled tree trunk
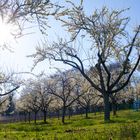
pixel 106 107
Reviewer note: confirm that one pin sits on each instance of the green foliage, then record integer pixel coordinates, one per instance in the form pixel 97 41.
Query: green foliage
pixel 125 126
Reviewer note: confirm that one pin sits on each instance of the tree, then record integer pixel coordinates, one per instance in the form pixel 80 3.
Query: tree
pixel 44 97
pixel 110 43
pixel 11 106
pixel 32 98
pixel 136 87
pixel 8 84
pixel 3 104
pixel 88 99
pixel 19 13
pixel 115 98
pixel 66 89
pixel 33 104
pixel 56 106
pixel 22 107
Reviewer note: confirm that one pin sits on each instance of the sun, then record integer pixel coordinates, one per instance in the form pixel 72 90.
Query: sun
pixel 5 33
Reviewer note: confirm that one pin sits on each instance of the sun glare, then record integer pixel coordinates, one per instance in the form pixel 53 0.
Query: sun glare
pixel 5 33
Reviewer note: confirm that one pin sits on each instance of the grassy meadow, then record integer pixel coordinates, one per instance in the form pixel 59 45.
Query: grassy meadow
pixel 125 126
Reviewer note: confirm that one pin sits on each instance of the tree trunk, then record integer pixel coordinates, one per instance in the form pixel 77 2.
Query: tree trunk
pixel 29 117
pixel 106 107
pixel 63 114
pixel 114 108
pixel 95 110
pixel 45 116
pixel 25 117
pixel 70 113
pixel 86 109
pixel 58 114
pixel 35 117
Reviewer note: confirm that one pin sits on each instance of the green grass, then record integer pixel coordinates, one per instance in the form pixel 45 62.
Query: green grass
pixel 125 126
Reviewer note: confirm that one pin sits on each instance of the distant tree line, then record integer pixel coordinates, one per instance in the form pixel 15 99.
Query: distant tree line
pixel 65 94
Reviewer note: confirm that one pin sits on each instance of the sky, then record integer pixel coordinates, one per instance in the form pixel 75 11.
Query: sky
pixel 17 59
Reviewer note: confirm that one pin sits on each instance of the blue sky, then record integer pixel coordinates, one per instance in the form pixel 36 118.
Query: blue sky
pixel 134 6
pixel 17 61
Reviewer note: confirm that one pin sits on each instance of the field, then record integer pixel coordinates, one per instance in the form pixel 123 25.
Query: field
pixel 125 126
